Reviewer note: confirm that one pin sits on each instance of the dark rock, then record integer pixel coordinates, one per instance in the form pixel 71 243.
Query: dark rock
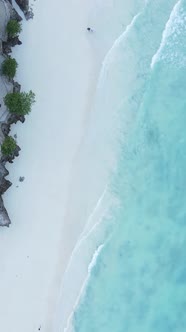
pixel 21 178
pixel 6 48
pixel 23 5
pixel 4 218
pixel 5 128
pixel 16 87
pixel 4 185
pixel 29 15
pixel 15 16
pixel 16 152
pixel 14 41
pixel 3 171
pixel 11 156
pixel 11 42
pixel 14 118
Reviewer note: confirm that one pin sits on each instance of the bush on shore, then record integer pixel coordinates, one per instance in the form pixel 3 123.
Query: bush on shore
pixel 19 103
pixel 8 146
pixel 13 28
pixel 9 67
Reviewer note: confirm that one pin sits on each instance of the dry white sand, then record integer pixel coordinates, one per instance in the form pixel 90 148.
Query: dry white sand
pixel 61 62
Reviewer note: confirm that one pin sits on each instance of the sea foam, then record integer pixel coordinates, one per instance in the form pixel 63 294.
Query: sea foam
pixel 172 29
pixel 120 292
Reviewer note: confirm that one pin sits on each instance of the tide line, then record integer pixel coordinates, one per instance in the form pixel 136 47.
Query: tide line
pixel 95 256
pixel 84 235
pixel 165 35
pixel 109 55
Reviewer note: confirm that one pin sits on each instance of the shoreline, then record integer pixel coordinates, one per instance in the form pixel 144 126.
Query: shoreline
pixel 48 222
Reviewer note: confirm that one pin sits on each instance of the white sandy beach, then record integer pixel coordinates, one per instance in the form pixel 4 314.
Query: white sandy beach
pixel 60 61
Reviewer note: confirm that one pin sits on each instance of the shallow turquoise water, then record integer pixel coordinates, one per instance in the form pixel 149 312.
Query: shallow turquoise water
pixel 139 281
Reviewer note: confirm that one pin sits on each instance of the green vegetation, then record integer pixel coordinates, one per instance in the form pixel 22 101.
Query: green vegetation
pixel 9 67
pixel 19 103
pixel 8 146
pixel 13 28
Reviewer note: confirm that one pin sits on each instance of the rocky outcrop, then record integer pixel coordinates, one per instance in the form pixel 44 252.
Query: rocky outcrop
pixel 4 185
pixel 24 6
pixel 4 217
pixel 9 119
pixel 10 157
pixel 12 12
pixel 13 118
pixel 11 42
pixel 15 16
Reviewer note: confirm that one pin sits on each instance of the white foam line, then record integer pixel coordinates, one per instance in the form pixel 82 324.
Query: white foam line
pixel 83 237
pixel 91 265
pixel 109 55
pixel 165 34
pixel 92 214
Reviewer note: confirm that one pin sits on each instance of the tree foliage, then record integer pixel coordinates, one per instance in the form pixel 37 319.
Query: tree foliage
pixel 8 146
pixel 19 103
pixel 9 67
pixel 13 28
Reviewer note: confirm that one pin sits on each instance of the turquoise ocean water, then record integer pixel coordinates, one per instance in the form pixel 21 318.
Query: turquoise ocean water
pixel 138 283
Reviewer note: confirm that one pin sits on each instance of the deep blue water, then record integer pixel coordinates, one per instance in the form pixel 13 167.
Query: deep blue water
pixel 139 281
